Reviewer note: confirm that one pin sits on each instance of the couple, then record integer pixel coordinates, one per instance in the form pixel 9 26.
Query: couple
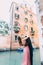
pixel 28 50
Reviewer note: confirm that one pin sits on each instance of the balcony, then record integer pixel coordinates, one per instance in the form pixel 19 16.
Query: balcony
pixel 32 33
pixel 16 29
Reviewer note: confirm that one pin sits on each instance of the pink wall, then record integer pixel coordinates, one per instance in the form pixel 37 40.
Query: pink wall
pixel 4 42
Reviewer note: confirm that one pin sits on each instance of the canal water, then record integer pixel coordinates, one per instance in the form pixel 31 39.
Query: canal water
pixel 15 58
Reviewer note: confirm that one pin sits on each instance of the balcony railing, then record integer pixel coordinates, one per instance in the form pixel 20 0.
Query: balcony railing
pixel 16 29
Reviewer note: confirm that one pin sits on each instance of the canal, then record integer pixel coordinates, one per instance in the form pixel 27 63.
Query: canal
pixel 15 58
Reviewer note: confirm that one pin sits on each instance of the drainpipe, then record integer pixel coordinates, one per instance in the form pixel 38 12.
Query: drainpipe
pixel 11 20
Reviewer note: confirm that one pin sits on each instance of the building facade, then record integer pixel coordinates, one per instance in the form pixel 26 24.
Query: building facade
pixel 24 23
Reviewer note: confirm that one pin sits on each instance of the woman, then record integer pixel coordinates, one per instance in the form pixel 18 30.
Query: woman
pixel 30 48
pixel 28 53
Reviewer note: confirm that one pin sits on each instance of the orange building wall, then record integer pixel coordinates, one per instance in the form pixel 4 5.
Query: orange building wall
pixel 23 23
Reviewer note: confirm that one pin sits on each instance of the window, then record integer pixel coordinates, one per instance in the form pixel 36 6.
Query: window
pixel 36 1
pixel 17 8
pixel 16 16
pixel 30 8
pixel 31 21
pixel 30 14
pixel 31 28
pixel 26 19
pixel 16 29
pixel 16 23
pixel 25 12
pixel 26 27
pixel 32 31
pixel 25 5
pixel 15 38
pixel 42 20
